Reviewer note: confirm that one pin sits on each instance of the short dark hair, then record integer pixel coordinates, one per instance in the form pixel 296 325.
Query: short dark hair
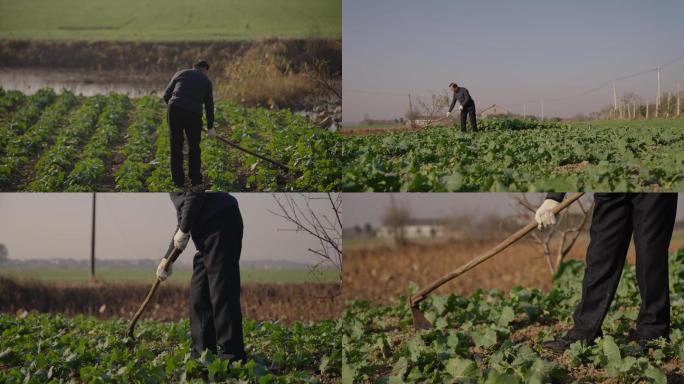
pixel 202 64
pixel 453 85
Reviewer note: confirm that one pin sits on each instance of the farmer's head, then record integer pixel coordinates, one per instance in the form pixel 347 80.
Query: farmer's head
pixel 202 65
pixel 453 87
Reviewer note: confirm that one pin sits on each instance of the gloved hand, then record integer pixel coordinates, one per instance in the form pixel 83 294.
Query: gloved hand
pixel 448 114
pixel 544 217
pixel 460 107
pixel 211 132
pixel 165 269
pixel 180 239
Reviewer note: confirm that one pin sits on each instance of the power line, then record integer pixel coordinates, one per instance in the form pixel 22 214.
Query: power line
pixel 681 56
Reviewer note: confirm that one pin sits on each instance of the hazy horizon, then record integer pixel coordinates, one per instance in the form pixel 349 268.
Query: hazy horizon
pixel 507 53
pixel 135 226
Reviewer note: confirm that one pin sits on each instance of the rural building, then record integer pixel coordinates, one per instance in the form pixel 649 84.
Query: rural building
pixel 421 121
pixel 416 229
pixel 494 110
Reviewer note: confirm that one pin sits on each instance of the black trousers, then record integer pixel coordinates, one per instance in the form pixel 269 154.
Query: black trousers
pixel 215 314
pixel 183 121
pixel 468 112
pixel 650 218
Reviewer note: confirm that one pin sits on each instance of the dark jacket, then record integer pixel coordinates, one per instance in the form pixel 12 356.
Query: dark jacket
pixel 195 209
pixel 463 97
pixel 556 196
pixel 189 89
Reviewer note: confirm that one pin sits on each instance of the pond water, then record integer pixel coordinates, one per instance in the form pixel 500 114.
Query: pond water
pixel 86 83
pixel 90 83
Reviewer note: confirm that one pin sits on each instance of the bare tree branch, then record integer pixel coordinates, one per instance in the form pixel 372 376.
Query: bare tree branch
pixel 304 218
pixel 564 234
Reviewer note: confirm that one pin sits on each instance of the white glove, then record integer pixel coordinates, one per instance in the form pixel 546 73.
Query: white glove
pixel 448 114
pixel 544 217
pixel 211 132
pixel 180 239
pixel 165 269
pixel 460 107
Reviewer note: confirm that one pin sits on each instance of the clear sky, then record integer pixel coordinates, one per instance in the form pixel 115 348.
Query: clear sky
pixel 507 52
pixel 135 226
pixel 361 208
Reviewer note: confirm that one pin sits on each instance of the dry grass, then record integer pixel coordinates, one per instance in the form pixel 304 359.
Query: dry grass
pixel 283 302
pixel 281 73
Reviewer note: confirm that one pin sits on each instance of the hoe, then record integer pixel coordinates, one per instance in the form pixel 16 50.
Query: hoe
pixel 228 142
pixel 172 254
pixel 419 320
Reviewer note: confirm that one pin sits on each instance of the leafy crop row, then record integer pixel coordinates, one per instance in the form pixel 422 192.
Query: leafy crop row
pixel 312 154
pixel 91 167
pixel 130 177
pixel 553 158
pixel 46 348
pixel 496 337
pixel 9 101
pixel 25 116
pixel 512 124
pixel 22 149
pixel 53 166
pixel 160 180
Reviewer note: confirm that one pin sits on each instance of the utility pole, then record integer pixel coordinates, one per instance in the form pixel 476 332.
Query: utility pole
pixel 646 108
pixel 412 120
pixel 614 96
pixel 668 100
pixel 542 109
pixel 92 244
pixel 657 106
pixel 634 107
pixel 679 92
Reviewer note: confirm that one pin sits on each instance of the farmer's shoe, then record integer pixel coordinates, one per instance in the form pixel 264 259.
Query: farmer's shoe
pixel 232 358
pixel 648 342
pixel 561 344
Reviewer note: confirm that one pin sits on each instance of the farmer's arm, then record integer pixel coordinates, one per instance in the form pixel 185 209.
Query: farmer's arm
pixel 191 210
pixel 168 92
pixel 453 102
pixel 209 106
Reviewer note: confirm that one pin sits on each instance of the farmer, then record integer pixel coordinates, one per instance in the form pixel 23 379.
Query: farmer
pixel 215 224
pixel 185 94
pixel 650 218
pixel 466 105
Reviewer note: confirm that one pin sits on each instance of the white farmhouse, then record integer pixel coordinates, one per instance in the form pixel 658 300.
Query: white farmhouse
pixel 416 229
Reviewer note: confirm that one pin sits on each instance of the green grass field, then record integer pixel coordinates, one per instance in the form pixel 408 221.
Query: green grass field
pixel 180 275
pixel 169 20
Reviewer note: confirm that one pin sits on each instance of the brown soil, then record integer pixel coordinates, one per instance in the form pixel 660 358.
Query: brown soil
pixel 283 302
pixel 382 273
pixel 570 168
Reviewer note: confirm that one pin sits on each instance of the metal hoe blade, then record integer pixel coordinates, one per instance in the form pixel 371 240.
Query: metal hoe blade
pixel 419 320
